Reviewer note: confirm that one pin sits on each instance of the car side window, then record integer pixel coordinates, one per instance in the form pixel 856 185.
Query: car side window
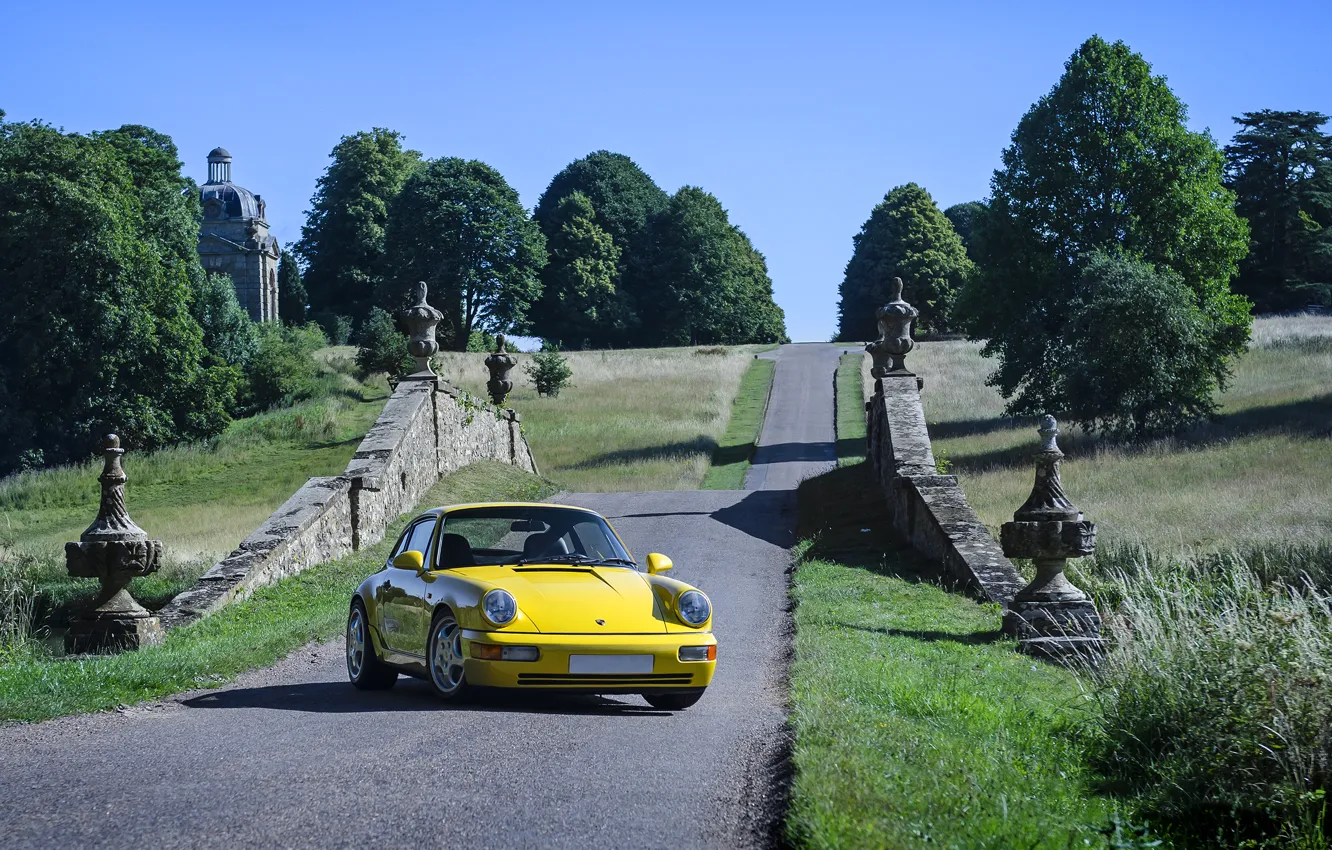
pixel 417 538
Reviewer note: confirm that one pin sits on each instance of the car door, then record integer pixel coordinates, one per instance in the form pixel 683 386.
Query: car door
pixel 404 593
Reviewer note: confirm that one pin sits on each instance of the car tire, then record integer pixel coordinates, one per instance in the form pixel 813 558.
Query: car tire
pixel 364 667
pixel 444 658
pixel 673 702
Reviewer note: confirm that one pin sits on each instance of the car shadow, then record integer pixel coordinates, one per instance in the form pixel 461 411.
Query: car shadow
pixel 410 695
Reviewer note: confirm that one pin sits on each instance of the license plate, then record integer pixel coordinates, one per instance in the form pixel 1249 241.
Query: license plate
pixel 610 663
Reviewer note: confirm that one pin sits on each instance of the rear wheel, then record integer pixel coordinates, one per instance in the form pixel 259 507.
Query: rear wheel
pixel 673 702
pixel 364 668
pixel 445 661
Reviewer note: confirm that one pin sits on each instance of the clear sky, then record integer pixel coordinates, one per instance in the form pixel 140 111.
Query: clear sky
pixel 799 117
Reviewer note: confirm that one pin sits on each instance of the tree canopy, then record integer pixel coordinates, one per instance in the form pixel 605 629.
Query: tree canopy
pixel 98 241
pixel 343 240
pixel 905 236
pixel 711 285
pixel 1280 168
pixel 964 217
pixel 292 297
pixel 1104 162
pixel 458 226
pixel 579 304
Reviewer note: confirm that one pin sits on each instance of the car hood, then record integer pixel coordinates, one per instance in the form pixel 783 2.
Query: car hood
pixel 559 598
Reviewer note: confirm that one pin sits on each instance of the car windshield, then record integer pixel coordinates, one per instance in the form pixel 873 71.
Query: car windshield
pixel 528 535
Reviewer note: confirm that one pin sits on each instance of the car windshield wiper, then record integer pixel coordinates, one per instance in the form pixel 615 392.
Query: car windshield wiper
pixel 578 560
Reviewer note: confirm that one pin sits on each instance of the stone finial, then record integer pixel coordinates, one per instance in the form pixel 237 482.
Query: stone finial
pixel 1051 616
pixel 115 551
pixel 500 364
pixel 421 319
pixel 890 349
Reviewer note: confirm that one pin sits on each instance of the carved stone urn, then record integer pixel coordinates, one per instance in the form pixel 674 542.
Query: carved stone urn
pixel 421 319
pixel 890 349
pixel 1051 617
pixel 115 551
pixel 500 364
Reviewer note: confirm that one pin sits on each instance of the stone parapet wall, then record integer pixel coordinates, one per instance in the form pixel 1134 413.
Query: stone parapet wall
pixel 426 430
pixel 926 508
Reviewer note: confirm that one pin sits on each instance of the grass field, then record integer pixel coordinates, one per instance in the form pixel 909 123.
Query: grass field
pixel 1261 472
pixel 734 456
pixel 850 409
pixel 311 605
pixel 638 419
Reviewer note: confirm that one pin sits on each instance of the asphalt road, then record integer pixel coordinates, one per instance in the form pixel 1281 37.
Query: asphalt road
pixel 293 756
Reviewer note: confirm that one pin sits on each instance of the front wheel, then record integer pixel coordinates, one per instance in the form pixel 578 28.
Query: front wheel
pixel 364 668
pixel 446 657
pixel 674 702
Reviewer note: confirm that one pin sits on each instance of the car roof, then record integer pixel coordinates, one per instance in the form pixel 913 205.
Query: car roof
pixel 447 509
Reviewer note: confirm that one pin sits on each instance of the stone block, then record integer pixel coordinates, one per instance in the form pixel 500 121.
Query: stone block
pixel 112 634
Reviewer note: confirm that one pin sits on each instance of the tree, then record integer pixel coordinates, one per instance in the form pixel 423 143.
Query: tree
pixel 624 201
pixel 458 226
pixel 343 240
pixel 98 241
pixel 714 286
pixel 1280 167
pixel 383 348
pixel 549 371
pixel 964 217
pixel 228 333
pixel 906 236
pixel 1105 163
pixel 292 298
pixel 579 304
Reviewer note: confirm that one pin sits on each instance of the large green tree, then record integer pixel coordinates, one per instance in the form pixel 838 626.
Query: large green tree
pixel 906 236
pixel 458 226
pixel 964 218
pixel 1104 162
pixel 579 304
pixel 343 240
pixel 624 200
pixel 1280 167
pixel 714 287
pixel 98 241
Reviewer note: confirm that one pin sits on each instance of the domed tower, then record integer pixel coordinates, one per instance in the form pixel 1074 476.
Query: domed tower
pixel 234 239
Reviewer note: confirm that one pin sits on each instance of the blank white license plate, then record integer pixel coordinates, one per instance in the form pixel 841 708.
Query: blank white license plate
pixel 610 663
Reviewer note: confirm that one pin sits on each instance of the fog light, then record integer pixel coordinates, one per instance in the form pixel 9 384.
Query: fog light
pixel 698 653
pixel 493 652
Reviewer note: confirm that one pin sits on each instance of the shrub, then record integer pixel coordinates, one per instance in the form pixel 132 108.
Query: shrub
pixel 337 328
pixel 383 347
pixel 549 371
pixel 283 369
pixel 1217 704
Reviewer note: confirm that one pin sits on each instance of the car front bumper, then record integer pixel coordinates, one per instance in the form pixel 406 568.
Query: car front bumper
pixel 551 669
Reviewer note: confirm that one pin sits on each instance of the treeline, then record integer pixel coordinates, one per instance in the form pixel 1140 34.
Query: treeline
pixel 1114 267
pixel 607 258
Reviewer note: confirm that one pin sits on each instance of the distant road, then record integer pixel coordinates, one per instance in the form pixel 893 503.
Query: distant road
pixel 293 756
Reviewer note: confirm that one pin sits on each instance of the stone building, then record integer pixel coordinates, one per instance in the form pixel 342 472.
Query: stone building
pixel 234 239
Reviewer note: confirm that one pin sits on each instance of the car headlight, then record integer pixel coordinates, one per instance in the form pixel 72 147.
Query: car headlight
pixel 694 607
pixel 499 606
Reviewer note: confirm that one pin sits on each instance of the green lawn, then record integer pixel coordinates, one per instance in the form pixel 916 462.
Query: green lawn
pixel 850 410
pixel 278 619
pixel 915 723
pixel 735 453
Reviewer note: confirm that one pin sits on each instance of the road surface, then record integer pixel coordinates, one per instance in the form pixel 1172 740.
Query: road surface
pixel 293 756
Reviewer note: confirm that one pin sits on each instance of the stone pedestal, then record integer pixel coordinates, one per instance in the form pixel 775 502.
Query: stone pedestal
pixel 421 319
pixel 115 551
pixel 890 349
pixel 1051 617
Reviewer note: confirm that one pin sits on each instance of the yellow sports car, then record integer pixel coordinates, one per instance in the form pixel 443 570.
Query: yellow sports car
pixel 533 597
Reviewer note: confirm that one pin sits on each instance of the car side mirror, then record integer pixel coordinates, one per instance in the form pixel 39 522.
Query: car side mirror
pixel 410 560
pixel 658 563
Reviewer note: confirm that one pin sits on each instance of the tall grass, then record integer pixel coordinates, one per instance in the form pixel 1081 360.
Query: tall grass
pixel 1216 703
pixel 638 419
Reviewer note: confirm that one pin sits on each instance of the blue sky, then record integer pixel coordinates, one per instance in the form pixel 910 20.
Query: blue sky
pixel 799 117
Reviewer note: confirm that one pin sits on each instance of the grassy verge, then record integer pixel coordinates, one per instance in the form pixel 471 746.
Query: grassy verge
pixel 637 419
pixel 850 410
pixel 915 723
pixel 311 605
pixel 735 453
